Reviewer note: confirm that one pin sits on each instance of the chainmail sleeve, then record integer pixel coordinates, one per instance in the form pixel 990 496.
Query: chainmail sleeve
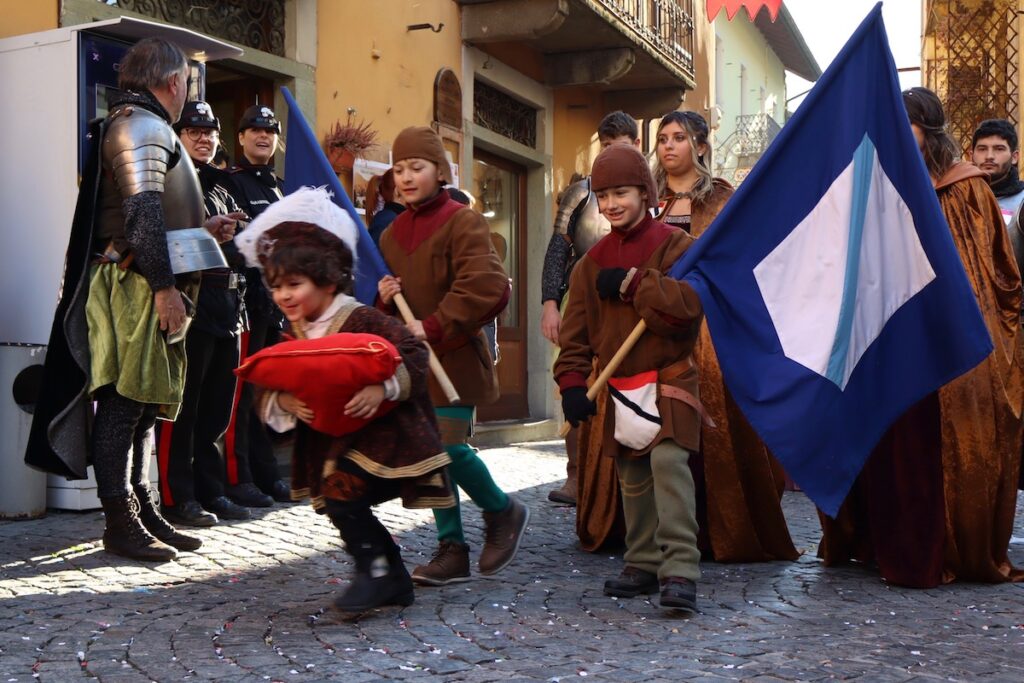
pixel 556 260
pixel 555 276
pixel 144 230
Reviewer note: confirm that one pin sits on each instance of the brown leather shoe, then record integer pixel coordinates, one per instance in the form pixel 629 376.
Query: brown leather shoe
pixel 565 495
pixel 632 582
pixel 679 593
pixel 450 564
pixel 503 532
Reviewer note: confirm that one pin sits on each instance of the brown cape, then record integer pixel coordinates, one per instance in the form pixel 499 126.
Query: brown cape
pixel 740 483
pixel 936 500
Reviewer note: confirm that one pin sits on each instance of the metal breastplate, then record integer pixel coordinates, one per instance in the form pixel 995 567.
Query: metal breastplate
pixel 157 162
pixel 182 198
pixel 570 199
pixel 590 226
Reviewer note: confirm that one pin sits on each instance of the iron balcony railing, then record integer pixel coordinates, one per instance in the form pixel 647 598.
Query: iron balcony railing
pixel 755 132
pixel 665 25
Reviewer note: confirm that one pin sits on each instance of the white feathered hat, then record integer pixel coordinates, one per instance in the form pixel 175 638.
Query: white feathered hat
pixel 305 205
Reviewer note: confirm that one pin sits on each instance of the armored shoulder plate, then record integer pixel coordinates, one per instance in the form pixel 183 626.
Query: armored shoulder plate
pixel 138 149
pixel 572 197
pixel 590 226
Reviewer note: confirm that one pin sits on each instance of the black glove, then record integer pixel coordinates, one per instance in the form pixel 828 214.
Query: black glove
pixel 609 280
pixel 576 406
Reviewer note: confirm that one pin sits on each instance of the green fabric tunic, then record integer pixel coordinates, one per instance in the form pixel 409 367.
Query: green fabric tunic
pixel 126 345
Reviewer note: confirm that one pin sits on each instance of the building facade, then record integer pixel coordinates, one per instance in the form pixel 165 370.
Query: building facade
pixel 971 55
pixel 751 60
pixel 516 88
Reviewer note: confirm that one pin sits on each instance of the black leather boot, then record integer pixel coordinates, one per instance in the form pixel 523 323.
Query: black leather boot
pixel 160 527
pixel 381 577
pixel 125 535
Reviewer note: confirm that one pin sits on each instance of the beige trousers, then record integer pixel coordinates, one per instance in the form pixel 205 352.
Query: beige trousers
pixel 660 508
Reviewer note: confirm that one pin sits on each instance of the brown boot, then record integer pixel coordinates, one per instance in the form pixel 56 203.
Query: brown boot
pixel 160 527
pixel 450 564
pixel 124 534
pixel 567 494
pixel 503 532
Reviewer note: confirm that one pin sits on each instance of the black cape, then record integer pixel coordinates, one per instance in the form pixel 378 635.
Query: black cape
pixel 60 440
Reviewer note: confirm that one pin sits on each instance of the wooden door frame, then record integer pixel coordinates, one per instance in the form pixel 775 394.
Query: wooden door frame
pixel 514 405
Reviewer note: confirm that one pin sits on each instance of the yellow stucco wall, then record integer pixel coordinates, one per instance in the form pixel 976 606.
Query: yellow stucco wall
pixel 27 17
pixel 366 59
pixel 576 115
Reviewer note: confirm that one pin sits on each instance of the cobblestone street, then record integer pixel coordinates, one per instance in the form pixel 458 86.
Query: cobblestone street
pixel 252 605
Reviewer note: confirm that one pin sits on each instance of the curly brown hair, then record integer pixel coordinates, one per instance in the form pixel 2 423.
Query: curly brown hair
pixel 295 248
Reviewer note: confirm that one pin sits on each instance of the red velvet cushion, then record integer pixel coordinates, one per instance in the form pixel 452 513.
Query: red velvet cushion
pixel 325 373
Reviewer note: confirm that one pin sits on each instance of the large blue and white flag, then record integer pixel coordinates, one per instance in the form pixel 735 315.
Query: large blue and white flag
pixel 306 164
pixel 833 291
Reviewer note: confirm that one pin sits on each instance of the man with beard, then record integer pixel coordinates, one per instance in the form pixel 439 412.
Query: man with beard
pixel 191 467
pixel 994 151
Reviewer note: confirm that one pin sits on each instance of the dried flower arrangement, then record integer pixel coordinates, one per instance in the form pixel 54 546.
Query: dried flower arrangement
pixel 344 143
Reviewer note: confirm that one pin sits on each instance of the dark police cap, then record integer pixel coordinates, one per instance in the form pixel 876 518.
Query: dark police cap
pixel 197 114
pixel 259 116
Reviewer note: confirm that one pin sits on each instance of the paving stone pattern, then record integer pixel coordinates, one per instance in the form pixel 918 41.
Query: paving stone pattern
pixel 253 605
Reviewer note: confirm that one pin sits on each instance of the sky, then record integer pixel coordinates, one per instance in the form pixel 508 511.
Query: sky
pixel 827 24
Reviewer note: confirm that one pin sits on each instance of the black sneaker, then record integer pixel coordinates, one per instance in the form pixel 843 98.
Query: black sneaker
pixel 225 509
pixel 248 495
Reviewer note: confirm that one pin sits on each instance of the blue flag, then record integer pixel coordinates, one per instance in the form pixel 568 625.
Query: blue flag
pixel 832 289
pixel 306 164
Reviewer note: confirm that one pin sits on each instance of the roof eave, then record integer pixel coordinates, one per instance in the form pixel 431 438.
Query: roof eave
pixel 802 63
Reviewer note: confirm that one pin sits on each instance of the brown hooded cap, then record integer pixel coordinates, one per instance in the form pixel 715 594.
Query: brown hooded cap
pixel 421 142
pixel 621 165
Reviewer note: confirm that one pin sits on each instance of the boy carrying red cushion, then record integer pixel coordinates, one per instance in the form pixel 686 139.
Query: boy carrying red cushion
pixel 305 245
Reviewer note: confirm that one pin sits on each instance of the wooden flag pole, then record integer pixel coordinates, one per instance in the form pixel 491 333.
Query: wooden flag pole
pixel 610 369
pixel 435 364
pixel 616 360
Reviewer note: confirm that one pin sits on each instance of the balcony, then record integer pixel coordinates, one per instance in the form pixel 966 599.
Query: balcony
pixel 737 154
pixel 664 26
pixel 638 52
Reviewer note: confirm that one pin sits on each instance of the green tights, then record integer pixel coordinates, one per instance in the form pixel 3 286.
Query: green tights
pixel 469 472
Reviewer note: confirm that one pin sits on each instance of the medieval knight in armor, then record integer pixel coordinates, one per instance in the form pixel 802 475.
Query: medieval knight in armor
pixel 130 273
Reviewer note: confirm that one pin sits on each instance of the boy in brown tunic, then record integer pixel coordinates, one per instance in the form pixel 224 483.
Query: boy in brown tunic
pixel 620 282
pixel 445 265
